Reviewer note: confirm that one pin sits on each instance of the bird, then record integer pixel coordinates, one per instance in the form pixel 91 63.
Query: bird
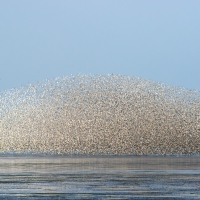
pixel 100 115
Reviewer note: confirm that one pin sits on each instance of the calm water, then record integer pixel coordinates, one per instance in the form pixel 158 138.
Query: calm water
pixel 113 177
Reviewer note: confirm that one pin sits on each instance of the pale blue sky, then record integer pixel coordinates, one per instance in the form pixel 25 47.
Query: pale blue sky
pixel 152 39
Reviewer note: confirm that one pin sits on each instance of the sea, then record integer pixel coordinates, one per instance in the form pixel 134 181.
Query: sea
pixel 61 177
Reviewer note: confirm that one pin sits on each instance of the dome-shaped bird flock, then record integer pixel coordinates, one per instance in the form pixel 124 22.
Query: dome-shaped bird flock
pixel 100 115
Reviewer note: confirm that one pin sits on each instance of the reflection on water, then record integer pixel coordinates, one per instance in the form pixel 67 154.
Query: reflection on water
pixel 54 177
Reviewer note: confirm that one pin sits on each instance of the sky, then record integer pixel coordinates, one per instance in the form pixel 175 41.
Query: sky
pixel 153 39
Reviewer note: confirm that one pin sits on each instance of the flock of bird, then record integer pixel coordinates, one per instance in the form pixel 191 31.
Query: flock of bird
pixel 100 114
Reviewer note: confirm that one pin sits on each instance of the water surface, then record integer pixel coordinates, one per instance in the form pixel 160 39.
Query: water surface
pixel 102 177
